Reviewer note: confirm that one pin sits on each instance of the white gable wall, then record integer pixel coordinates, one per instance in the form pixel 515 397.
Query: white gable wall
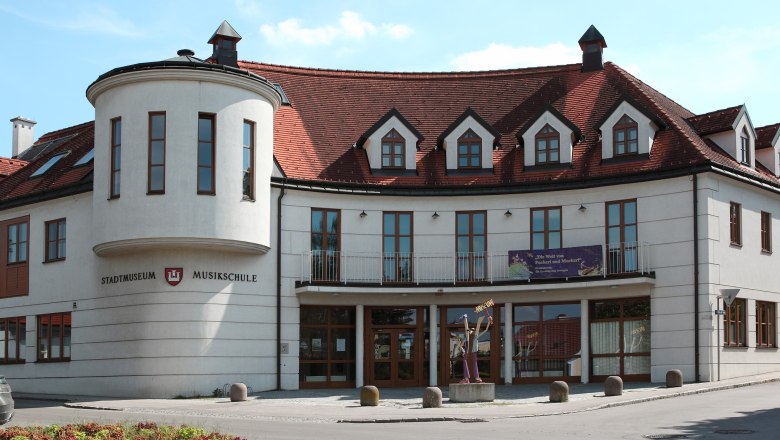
pixel 566 142
pixel 451 143
pixel 646 130
pixel 373 144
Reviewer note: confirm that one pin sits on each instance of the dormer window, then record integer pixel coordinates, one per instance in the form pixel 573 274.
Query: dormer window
pixel 469 150
pixel 625 136
pixel 744 147
pixel 393 146
pixel 548 145
pixel 49 163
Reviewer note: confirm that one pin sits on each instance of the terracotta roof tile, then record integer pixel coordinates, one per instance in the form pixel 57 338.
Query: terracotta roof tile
pixel 715 122
pixel 10 166
pixel 765 136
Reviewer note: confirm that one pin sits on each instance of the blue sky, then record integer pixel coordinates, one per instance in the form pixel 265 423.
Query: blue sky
pixel 704 55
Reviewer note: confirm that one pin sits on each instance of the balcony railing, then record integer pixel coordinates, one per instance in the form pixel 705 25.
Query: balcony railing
pixel 440 268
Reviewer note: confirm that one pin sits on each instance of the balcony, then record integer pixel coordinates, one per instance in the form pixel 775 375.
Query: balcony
pixel 419 269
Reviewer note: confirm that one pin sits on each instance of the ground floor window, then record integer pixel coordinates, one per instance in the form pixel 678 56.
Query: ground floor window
pixel 765 324
pixel 462 352
pixel 735 328
pixel 13 339
pixel 620 338
pixel 327 346
pixel 54 337
pixel 546 341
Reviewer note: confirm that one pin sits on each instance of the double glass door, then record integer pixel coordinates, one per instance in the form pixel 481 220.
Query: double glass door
pixel 395 357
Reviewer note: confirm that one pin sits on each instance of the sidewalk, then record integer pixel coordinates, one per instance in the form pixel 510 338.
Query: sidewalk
pixel 405 404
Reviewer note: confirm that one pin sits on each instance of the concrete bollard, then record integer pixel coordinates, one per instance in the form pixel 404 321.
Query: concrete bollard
pixel 431 397
pixel 559 391
pixel 674 379
pixel 369 396
pixel 613 386
pixel 238 392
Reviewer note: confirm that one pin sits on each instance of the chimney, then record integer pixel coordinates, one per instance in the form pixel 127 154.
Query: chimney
pixel 592 43
pixel 23 135
pixel 224 41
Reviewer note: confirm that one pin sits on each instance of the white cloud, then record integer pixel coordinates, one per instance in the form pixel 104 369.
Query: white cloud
pixel 250 8
pixel 351 26
pixel 502 56
pixel 97 20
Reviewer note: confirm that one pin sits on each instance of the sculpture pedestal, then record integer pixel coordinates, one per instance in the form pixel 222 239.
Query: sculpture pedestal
pixel 472 392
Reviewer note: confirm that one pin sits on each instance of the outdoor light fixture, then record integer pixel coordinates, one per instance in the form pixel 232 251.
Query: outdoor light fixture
pixel 582 208
pixel 435 215
pixel 363 214
pixel 508 213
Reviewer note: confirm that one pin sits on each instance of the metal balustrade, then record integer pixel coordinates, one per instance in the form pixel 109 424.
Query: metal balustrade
pixel 444 268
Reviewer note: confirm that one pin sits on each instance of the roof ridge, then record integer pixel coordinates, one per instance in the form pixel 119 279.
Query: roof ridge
pixel 63 131
pixel 733 107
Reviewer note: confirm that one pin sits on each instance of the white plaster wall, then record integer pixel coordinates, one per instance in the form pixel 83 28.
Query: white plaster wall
pixel 373 144
pixel 529 139
pixel 730 140
pixel 645 130
pixel 181 212
pixel 768 157
pixel 451 143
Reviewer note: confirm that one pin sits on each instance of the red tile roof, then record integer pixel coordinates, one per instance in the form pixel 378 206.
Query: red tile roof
pixel 765 136
pixel 715 122
pixel 10 166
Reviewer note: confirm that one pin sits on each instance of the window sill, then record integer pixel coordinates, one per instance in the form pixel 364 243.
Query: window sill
pixel 14 296
pixel 13 362
pixel 53 260
pixel 766 252
pixel 734 346
pixel 207 193
pixel 766 347
pixel 155 193
pixel 247 199
pixel 736 245
pixel 112 198
pixel 52 361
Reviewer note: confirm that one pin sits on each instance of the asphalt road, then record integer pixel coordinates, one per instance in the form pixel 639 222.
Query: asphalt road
pixel 743 413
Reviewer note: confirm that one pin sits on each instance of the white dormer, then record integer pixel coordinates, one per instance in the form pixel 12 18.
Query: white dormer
pixel 469 143
pixel 391 144
pixel 549 139
pixel 738 139
pixel 626 132
pixel 768 147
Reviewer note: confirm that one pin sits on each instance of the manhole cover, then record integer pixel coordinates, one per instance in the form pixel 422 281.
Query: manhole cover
pixel 664 436
pixel 734 431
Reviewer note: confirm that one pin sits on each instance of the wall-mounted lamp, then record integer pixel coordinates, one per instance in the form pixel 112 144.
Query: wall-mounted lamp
pixel 582 208
pixel 363 214
pixel 508 213
pixel 435 215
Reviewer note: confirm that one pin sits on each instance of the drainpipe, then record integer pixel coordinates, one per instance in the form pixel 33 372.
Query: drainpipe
pixel 279 289
pixel 696 275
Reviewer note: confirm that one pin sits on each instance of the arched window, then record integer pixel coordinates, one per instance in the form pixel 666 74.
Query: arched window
pixel 548 145
pixel 469 150
pixel 625 136
pixel 393 147
pixel 744 147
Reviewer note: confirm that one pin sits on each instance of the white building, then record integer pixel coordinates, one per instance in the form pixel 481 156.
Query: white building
pixel 231 221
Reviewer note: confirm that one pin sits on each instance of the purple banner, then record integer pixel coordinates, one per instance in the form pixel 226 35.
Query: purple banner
pixel 573 262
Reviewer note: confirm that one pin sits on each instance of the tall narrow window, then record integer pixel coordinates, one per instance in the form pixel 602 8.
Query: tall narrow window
pixel 765 324
pixel 735 223
pixel 471 245
pixel 766 231
pixel 206 149
pixel 397 246
pixel 13 338
pixel 735 334
pixel 744 147
pixel 469 150
pixel 156 179
pixel 249 160
pixel 622 244
pixel 14 268
pixel 55 240
pixel 116 156
pixel 54 337
pixel 393 147
pixel 17 243
pixel 546 228
pixel 325 246
pixel 548 145
pixel 625 136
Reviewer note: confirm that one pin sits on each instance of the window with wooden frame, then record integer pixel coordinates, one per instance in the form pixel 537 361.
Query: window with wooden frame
pixel 622 237
pixel 325 244
pixel 116 157
pixel 13 337
pixel 766 232
pixel 55 240
pixel 471 245
pixel 156 171
pixel 735 223
pixel 735 327
pixel 469 150
pixel 620 332
pixel 397 247
pixel 206 154
pixel 327 346
pixel 625 136
pixel 744 147
pixel 546 228
pixel 766 335
pixel 248 182
pixel 14 267
pixel 393 150
pixel 548 145
pixel 54 337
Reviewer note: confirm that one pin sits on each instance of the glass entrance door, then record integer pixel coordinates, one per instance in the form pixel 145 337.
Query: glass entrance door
pixel 396 358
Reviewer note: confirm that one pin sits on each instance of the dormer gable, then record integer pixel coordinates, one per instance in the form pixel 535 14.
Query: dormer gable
pixel 391 144
pixel 628 130
pixel 768 147
pixel 469 142
pixel 548 138
pixel 731 130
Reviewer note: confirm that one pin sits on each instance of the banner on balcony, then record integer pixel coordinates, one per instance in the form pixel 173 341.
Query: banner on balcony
pixel 582 261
